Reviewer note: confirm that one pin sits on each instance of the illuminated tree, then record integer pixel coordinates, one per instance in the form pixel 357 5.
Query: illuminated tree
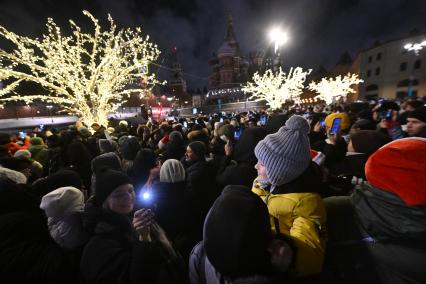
pixel 276 89
pixel 330 89
pixel 88 75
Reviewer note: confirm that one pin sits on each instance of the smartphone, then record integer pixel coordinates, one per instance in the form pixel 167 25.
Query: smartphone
pixel 386 114
pixel 322 123
pixel 335 127
pixel 185 124
pixel 221 119
pixel 146 199
pixel 237 133
pixel 263 120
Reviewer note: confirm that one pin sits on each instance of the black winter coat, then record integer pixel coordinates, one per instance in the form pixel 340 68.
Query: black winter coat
pixel 400 232
pixel 374 237
pixel 113 253
pixel 203 189
pixel 29 255
pixel 175 212
pixel 172 207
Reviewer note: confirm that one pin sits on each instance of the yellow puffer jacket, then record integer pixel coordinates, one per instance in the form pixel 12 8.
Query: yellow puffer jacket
pixel 302 217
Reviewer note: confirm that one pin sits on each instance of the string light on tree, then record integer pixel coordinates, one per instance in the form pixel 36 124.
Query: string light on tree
pixel 88 75
pixel 329 89
pixel 277 88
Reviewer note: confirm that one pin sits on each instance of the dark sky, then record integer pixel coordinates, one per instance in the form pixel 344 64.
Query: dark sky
pixel 319 30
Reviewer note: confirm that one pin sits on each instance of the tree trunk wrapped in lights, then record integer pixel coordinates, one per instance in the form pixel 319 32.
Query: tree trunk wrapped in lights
pixel 276 89
pixel 88 75
pixel 329 89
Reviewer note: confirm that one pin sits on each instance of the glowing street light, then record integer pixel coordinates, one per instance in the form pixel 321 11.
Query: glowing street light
pixel 415 47
pixel 278 37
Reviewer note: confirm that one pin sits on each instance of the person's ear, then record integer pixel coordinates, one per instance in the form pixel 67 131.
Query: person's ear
pixel 281 255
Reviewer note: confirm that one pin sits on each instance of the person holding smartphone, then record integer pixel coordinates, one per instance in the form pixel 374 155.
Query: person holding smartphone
pixel 125 246
pixel 333 146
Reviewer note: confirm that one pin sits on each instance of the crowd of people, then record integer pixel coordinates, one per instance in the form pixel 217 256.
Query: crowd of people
pixel 323 194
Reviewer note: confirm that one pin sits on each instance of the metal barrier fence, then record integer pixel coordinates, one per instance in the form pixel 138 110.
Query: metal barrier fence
pixel 229 107
pixel 123 113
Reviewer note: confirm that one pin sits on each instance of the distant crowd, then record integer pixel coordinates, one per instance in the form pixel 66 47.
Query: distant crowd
pixel 318 194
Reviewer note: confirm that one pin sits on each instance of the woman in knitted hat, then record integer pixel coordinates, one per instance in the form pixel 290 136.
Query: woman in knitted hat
pixel 107 160
pixel 287 181
pixel 120 249
pixel 377 234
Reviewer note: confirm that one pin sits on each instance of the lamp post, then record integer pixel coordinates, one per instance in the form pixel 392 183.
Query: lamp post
pixel 278 38
pixel 415 48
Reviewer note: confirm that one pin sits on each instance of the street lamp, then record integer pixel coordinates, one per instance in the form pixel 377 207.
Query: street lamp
pixel 278 37
pixel 415 48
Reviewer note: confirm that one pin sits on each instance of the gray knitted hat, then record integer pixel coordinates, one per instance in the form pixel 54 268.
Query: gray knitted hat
pixel 285 154
pixel 172 171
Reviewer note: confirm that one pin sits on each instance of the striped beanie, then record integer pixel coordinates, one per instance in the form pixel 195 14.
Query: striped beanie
pixel 285 154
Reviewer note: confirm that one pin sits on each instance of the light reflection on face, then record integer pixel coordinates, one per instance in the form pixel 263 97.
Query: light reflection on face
pixel 121 200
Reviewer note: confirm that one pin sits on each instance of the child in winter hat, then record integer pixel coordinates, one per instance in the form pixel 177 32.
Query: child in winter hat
pixel 295 211
pixel 286 153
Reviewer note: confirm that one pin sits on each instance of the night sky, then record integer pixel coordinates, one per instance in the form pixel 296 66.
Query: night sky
pixel 320 30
